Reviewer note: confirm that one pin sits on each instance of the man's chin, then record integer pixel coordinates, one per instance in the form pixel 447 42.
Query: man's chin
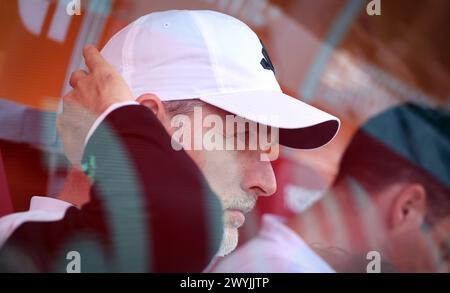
pixel 229 241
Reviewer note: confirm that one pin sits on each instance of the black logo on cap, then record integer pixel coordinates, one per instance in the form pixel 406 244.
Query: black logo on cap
pixel 265 61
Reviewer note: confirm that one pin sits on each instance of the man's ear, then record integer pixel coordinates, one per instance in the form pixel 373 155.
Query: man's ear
pixel 153 102
pixel 409 206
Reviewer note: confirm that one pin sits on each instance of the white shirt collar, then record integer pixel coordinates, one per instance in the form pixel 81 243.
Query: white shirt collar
pixel 274 227
pixel 48 204
pixel 42 209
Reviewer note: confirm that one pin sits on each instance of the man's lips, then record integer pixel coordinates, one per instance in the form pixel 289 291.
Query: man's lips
pixel 235 217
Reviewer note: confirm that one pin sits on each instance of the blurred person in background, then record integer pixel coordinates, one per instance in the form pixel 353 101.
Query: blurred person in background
pixel 391 196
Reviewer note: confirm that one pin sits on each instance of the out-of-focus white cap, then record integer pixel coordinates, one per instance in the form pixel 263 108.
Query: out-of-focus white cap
pixel 207 55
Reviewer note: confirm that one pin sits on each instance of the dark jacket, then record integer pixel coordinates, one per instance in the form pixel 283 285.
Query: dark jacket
pixel 150 209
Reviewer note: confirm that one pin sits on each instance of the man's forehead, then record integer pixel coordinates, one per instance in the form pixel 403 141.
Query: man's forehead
pixel 209 109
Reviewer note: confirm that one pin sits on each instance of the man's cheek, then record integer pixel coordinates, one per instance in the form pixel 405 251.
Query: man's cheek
pixel 222 168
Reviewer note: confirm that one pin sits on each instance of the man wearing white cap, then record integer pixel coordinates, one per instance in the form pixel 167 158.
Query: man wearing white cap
pixel 175 60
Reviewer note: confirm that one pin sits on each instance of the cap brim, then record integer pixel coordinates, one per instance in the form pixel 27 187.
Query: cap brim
pixel 300 125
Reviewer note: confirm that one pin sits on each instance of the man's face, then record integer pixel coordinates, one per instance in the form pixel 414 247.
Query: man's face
pixel 411 245
pixel 440 237
pixel 238 177
pixel 423 249
pixel 390 221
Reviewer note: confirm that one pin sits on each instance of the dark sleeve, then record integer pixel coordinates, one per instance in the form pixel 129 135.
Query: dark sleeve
pixel 150 210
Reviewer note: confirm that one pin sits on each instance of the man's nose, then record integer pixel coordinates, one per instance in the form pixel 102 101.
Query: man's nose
pixel 260 180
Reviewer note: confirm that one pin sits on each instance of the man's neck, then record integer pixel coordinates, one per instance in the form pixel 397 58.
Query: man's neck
pixel 76 188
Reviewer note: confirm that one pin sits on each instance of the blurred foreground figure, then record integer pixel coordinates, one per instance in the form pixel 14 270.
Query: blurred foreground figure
pixel 390 199
pixel 131 221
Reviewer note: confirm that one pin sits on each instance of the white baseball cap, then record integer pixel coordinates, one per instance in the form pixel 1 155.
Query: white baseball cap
pixel 207 55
